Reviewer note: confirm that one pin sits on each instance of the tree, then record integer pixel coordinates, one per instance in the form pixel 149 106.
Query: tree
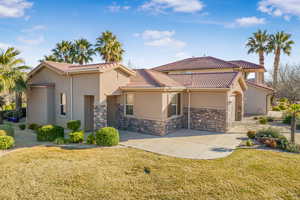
pixel 12 75
pixel 50 58
pixel 63 52
pixel 289 86
pixel 109 48
pixel 279 42
pixel 82 51
pixel 258 44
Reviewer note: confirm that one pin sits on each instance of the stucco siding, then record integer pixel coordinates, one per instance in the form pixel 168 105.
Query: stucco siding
pixel 62 85
pixel 256 100
pixel 216 100
pixel 84 84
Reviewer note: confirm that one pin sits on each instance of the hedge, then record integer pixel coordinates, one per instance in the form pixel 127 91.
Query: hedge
pixel 107 136
pixel 77 137
pixel 49 133
pixel 74 125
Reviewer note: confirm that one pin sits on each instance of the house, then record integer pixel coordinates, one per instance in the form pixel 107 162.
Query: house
pixel 156 101
pixel 257 97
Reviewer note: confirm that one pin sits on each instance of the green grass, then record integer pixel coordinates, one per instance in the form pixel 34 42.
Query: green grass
pixel 124 173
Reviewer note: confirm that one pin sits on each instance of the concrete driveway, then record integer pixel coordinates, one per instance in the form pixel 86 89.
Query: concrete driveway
pixel 185 143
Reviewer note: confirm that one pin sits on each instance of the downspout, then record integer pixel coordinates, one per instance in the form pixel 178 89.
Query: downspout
pixel 189 111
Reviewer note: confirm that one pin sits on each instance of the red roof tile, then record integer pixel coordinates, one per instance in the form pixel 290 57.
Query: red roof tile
pixel 66 67
pixel 251 82
pixel 246 65
pixel 205 80
pixel 196 63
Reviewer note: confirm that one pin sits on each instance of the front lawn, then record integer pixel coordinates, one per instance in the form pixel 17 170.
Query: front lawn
pixel 124 173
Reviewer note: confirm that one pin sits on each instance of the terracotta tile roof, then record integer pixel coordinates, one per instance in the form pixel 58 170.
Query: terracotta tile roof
pixel 66 67
pixel 246 65
pixel 207 62
pixel 205 80
pixel 251 82
pixel 146 78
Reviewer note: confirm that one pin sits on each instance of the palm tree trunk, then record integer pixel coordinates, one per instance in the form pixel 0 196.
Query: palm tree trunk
pixel 293 127
pixel 261 58
pixel 276 67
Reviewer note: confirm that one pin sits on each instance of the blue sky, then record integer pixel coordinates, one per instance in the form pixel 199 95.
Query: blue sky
pixel 153 32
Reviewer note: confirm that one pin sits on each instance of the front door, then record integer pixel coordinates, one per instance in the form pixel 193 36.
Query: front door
pixel 88 112
pixel 112 111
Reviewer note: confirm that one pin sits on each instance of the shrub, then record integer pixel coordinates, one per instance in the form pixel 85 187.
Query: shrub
pixel 251 134
pixel 282 142
pixel 276 108
pixel 255 118
pixel 49 133
pixel 33 126
pixel 270 119
pixel 283 100
pixel 249 143
pixel 3 133
pixel 295 148
pixel 59 140
pixel 76 137
pixel 268 132
pixel 6 142
pixel 91 139
pixel 74 125
pixel 107 136
pixel 282 107
pixel 22 126
pixel 9 129
pixel 263 120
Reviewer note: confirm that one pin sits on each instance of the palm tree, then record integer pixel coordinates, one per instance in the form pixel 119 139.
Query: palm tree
pixel 63 52
pixel 12 75
pixel 258 44
pixel 279 42
pixel 50 58
pixel 109 48
pixel 82 51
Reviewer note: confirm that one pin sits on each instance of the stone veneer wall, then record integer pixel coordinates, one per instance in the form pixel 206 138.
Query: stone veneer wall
pixel 208 119
pixel 100 116
pixel 154 127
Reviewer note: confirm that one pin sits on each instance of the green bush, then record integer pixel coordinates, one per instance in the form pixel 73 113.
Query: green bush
pixel 283 100
pixel 263 120
pixel 74 125
pixel 268 132
pixel 49 133
pixel 107 136
pixel 287 119
pixel 22 126
pixel 270 119
pixel 34 126
pixel 9 129
pixel 282 107
pixel 295 148
pixel 59 140
pixel 249 143
pixel 77 137
pixel 3 133
pixel 6 142
pixel 282 142
pixel 251 134
pixel 91 139
pixel 276 108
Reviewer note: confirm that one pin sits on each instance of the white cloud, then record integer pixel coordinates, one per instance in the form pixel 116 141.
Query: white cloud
pixel 185 6
pixel 250 21
pixel 284 8
pixel 34 28
pixel 158 38
pixel 31 41
pixel 13 8
pixel 117 8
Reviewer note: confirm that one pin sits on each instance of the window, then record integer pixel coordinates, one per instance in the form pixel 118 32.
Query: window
pixel 129 104
pixel 63 103
pixel 174 107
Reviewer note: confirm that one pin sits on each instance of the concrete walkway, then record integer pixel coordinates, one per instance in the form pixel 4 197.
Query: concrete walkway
pixel 185 143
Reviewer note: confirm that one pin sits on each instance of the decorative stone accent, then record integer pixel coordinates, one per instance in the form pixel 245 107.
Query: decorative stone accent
pixel 208 119
pixel 100 116
pixel 154 127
